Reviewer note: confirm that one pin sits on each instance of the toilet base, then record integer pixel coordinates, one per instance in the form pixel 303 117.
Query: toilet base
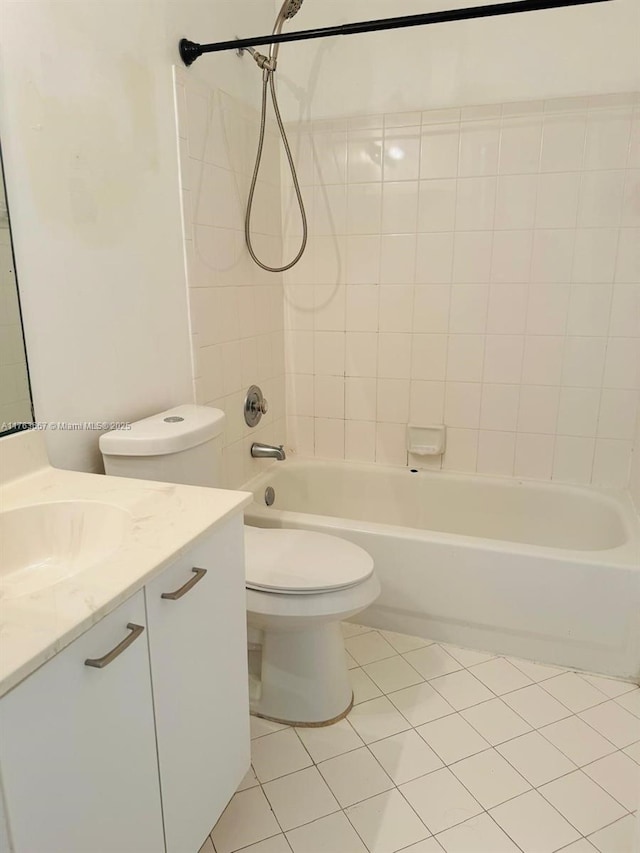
pixel 304 676
pixel 301 725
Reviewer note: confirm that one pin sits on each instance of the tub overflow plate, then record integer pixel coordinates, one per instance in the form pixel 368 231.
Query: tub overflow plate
pixel 269 495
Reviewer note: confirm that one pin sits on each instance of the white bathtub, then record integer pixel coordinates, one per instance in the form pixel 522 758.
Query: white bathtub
pixel 541 571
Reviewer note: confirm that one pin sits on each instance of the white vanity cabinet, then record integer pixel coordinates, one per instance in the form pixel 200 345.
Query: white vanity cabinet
pixel 197 639
pixel 77 747
pixel 141 754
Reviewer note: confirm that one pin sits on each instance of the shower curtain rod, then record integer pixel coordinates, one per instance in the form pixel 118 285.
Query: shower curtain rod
pixel 190 51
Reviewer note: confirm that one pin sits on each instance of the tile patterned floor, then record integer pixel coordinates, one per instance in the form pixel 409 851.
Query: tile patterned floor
pixel 446 749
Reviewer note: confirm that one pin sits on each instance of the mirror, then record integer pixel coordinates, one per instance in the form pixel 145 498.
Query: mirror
pixel 15 393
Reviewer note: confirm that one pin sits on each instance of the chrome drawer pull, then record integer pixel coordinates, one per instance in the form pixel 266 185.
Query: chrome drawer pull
pixel 198 574
pixel 136 630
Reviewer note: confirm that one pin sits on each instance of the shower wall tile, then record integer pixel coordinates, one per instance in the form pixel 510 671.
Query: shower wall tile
pixel 236 309
pixel 478 268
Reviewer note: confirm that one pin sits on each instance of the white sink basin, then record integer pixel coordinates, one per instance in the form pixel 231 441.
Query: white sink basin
pixel 45 543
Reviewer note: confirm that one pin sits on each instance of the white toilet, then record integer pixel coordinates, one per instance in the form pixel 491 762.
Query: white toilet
pixel 300 584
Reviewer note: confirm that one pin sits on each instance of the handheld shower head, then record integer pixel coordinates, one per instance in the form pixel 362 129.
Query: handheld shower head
pixel 288 9
pixel 291 7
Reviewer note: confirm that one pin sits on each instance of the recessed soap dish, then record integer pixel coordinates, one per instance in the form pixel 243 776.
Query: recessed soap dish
pixel 426 440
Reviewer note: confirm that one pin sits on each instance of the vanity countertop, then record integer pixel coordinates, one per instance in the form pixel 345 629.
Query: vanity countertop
pixel 166 520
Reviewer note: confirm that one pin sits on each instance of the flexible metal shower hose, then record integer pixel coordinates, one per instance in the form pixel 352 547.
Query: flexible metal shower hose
pixel 268 80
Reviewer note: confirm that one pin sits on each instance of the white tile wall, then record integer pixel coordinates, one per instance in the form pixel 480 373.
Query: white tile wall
pixel 477 267
pixel 236 309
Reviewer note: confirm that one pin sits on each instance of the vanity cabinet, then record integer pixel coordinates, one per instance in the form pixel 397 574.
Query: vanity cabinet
pixel 197 640
pixel 77 747
pixel 141 754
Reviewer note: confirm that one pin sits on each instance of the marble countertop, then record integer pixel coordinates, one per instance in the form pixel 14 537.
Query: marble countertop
pixel 166 520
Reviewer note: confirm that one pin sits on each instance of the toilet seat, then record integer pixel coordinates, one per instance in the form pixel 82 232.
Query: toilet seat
pixel 298 562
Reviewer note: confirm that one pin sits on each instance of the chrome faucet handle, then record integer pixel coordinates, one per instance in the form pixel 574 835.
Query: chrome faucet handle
pixel 255 406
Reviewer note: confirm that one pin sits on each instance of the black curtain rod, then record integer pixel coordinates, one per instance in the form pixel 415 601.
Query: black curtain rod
pixel 190 51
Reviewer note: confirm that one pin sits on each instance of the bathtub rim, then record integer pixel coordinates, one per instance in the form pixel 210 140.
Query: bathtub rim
pixel 626 555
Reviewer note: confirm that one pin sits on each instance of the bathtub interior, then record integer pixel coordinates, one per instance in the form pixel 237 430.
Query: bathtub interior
pixel 517 511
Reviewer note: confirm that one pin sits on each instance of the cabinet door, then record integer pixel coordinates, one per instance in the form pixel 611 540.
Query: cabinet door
pixel 199 672
pixel 77 748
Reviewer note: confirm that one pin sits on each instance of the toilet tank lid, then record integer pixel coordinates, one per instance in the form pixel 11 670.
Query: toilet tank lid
pixel 176 429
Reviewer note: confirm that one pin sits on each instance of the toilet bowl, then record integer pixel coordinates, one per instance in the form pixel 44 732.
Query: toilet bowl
pixel 300 586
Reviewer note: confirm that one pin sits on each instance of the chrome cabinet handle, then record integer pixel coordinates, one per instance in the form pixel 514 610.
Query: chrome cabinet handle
pixel 198 574
pixel 136 630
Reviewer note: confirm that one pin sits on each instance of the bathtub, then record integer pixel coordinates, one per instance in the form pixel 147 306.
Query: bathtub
pixel 536 570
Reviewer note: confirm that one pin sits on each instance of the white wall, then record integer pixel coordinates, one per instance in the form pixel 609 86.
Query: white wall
pixel 88 132
pixel 574 51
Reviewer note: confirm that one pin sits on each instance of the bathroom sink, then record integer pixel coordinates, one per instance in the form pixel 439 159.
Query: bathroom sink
pixel 42 544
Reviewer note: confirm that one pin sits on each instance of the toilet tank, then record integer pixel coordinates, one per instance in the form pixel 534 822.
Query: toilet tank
pixel 181 445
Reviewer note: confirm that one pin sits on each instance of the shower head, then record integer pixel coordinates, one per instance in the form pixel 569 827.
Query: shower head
pixel 288 9
pixel 291 7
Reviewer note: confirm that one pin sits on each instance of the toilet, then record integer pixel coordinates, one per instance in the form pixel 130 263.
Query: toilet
pixel 300 584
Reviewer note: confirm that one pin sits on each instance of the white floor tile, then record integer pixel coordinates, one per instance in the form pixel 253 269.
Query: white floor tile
pixel 500 676
pixel 619 775
pixel 392 674
pixel 352 629
pixel 351 662
pixel 432 661
pixel 467 657
pixel 207 847
pixel 584 804
pixel 534 825
pixel 495 721
pixel 355 776
pixel 461 689
pixel 369 647
pixel 536 759
pixel 577 740
pixel 406 756
pixel 420 704
pixel 536 671
pixel 323 742
pixel 489 778
pixel 299 798
pixel 536 706
pixel 249 781
pixel 278 754
pixel 480 834
pixel 452 738
pixel 611 687
pixel 386 823
pixel 404 642
pixel 440 800
pixel 327 835
pixel 574 692
pixel 631 702
pixel 363 687
pixel 617 838
pixel 277 844
pixel 613 722
pixel 260 727
pixel 246 820
pixel 377 719
pixel 633 751
pixel 429 845
pixel 581 846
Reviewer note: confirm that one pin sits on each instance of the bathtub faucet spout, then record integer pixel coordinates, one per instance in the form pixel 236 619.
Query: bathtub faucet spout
pixel 267 451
